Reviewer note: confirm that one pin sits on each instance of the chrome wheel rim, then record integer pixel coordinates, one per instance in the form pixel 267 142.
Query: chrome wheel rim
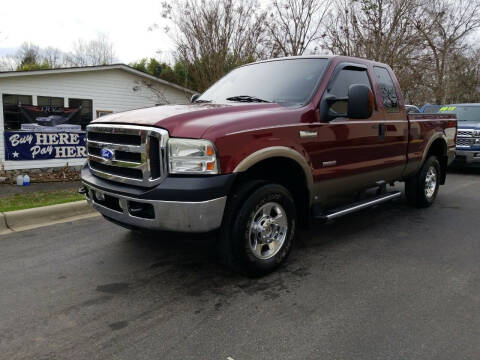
pixel 268 230
pixel 431 182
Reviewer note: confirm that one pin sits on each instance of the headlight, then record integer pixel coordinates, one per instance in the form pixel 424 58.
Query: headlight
pixel 189 156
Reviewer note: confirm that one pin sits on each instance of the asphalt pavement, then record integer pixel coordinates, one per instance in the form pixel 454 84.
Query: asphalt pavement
pixel 390 282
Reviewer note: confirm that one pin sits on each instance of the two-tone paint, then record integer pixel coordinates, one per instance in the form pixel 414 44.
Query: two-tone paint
pixel 341 155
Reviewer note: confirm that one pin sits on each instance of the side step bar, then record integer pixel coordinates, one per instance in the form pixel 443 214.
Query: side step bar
pixel 357 206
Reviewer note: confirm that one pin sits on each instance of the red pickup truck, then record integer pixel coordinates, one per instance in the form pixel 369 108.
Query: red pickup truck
pixel 269 147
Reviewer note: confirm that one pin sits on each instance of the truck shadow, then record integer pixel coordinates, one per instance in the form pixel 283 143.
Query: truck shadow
pixel 189 264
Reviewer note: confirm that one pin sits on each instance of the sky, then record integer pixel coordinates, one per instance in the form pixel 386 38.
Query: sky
pixel 59 23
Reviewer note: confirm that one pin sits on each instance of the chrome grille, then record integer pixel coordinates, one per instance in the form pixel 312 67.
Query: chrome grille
pixel 465 133
pixel 138 153
pixel 465 141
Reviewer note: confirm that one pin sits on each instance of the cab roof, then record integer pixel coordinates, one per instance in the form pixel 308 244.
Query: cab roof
pixel 328 57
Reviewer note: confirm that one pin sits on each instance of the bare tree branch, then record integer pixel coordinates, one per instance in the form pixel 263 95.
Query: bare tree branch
pixel 99 51
pixel 294 25
pixel 445 26
pixel 212 37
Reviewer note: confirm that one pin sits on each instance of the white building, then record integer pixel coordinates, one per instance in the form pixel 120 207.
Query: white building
pixel 34 103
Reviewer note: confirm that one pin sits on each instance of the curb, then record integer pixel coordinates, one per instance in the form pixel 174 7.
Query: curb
pixel 3 225
pixel 42 216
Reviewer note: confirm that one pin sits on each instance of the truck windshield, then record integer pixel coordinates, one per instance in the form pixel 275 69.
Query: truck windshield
pixel 286 82
pixel 463 112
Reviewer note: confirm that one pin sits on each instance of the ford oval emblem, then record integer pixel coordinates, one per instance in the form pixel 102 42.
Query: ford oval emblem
pixel 107 154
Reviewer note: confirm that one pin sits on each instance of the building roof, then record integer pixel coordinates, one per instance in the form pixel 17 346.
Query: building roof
pixel 124 67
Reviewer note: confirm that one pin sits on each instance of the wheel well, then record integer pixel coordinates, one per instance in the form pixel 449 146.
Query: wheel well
pixel 286 172
pixel 439 149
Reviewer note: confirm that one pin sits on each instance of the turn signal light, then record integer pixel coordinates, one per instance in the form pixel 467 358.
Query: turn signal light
pixel 211 166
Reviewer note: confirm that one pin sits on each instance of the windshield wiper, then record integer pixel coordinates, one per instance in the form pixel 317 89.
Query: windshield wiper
pixel 201 101
pixel 246 98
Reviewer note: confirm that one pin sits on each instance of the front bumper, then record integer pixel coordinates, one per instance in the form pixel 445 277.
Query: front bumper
pixel 198 205
pixel 467 157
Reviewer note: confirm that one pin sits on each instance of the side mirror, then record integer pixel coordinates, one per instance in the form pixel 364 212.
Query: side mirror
pixel 194 97
pixel 360 102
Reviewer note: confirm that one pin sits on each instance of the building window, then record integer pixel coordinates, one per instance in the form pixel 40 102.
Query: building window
pixel 50 101
pixel 86 114
pixel 11 110
pixel 101 113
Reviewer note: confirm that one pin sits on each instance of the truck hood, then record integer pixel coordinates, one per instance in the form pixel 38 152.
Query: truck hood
pixel 191 120
pixel 468 124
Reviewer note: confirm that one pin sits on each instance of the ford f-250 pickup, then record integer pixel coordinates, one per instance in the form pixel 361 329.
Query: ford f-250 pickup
pixel 268 147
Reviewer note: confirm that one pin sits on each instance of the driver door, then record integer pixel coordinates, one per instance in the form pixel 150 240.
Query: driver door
pixel 348 152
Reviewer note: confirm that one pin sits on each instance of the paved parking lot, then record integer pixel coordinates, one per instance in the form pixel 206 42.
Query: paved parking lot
pixel 388 283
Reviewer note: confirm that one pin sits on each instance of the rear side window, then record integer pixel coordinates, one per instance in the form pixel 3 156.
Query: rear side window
pixel 389 94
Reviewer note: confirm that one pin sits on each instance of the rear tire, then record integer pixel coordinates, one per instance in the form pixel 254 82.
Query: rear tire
pixel 422 189
pixel 258 228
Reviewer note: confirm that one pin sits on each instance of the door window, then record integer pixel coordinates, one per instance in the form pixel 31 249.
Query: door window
pixel 342 82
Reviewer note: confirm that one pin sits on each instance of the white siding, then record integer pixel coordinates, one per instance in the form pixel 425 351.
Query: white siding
pixel 110 90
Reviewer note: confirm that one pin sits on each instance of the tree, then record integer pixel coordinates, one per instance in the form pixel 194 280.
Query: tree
pixel 213 37
pixel 381 30
pixel 140 65
pixel 8 63
pixel 294 25
pixel 28 55
pixel 462 79
pixel 445 25
pixel 423 40
pixel 159 69
pixel 54 57
pixel 183 76
pixel 99 51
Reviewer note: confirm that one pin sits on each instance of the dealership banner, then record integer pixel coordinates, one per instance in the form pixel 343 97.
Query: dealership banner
pixel 22 145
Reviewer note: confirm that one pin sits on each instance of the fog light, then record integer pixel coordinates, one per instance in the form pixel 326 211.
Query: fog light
pixel 123 204
pixel 100 196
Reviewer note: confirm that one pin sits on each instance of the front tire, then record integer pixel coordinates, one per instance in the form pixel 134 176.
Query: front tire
pixel 258 230
pixel 421 190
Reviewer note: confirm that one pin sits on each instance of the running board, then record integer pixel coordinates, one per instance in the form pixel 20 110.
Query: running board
pixel 357 206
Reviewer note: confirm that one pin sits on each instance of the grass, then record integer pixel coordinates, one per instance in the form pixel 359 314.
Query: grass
pixel 37 199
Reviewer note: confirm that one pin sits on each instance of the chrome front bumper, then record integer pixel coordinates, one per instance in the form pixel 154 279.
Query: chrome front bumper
pixel 202 216
pixel 468 156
